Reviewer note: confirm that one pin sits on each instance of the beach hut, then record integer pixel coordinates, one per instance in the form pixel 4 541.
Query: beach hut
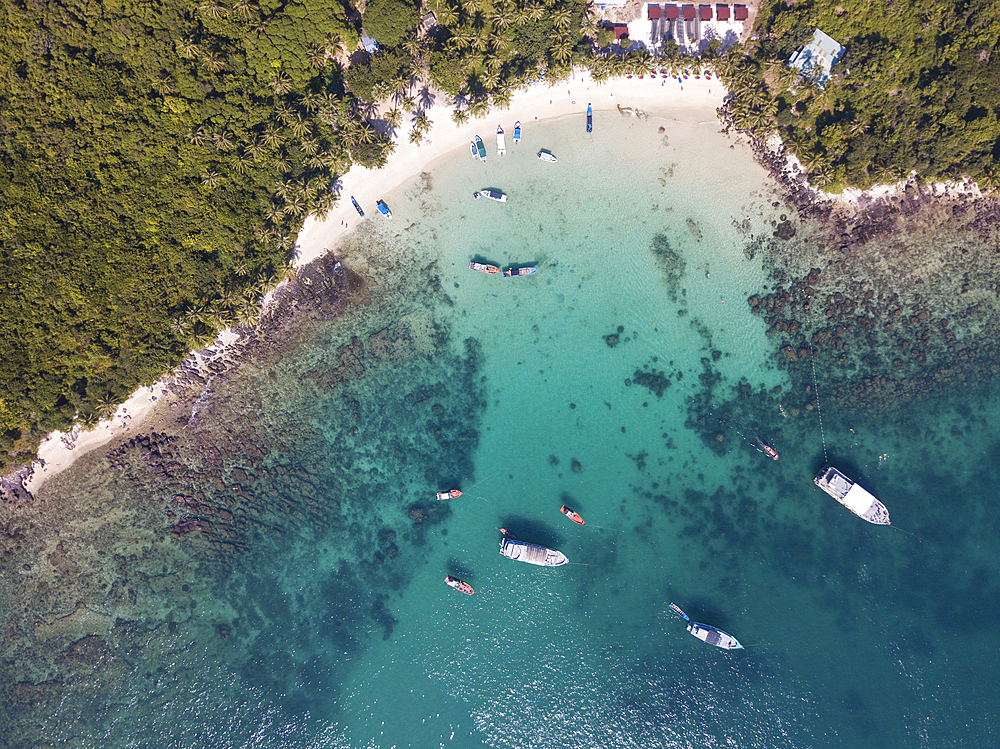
pixel 653 12
pixel 722 12
pixel 671 12
pixel 740 12
pixel 620 29
pixel 705 12
pixel 689 12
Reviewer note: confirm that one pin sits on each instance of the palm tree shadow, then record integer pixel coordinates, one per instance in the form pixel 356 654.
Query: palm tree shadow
pixel 426 97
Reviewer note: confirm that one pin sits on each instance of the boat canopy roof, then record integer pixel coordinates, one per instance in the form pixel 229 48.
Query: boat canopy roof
pixel 858 500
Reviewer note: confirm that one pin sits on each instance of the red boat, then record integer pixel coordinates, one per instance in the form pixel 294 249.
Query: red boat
pixel 453 494
pixel 572 515
pixel 770 451
pixel 461 585
pixel 484 268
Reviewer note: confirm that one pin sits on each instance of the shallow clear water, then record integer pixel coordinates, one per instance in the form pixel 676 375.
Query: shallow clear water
pixel 333 628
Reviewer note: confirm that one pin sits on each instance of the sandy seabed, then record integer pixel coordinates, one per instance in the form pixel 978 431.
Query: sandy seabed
pixel 695 97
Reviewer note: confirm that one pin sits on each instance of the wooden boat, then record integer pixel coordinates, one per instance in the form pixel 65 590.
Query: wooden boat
pixel 572 515
pixel 546 156
pixel 851 496
pixel 453 494
pixel 769 451
pixel 480 148
pixel 383 209
pixel 501 142
pixel 475 151
pixel 357 207
pixel 707 633
pixel 507 533
pixel 483 268
pixel 590 119
pixel 522 551
pixel 515 272
pixel 460 585
pixel 517 131
pixel 491 194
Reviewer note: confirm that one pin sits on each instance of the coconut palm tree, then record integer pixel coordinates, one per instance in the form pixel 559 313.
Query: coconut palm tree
pixel 210 179
pixel 244 9
pixel 299 127
pixel 187 48
pixel 196 136
pixel 223 140
pixel 211 10
pixel 309 146
pixel 281 84
pixel 460 116
pixel 241 163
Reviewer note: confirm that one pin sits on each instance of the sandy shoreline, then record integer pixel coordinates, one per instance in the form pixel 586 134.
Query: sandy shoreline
pixel 696 97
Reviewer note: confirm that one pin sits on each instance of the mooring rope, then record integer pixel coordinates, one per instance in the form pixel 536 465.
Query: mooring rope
pixel 819 408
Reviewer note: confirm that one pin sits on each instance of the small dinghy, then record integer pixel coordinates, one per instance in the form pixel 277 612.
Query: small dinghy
pixel 507 533
pixel 453 494
pixel 515 272
pixel 572 515
pixel 491 194
pixel 460 585
pixel 483 268
pixel 522 551
pixel 383 209
pixel 546 156
pixel 517 131
pixel 707 633
pixel 357 207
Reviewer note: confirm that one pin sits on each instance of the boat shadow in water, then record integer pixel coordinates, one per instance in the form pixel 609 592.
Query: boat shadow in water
pixel 459 570
pixel 533 531
pixel 569 500
pixel 482 260
pixel 704 611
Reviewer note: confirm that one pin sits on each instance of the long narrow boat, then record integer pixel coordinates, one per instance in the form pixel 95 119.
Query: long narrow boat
pixel 460 585
pixel 517 131
pixel 851 496
pixel 453 494
pixel 475 151
pixel 572 515
pixel 707 633
pixel 501 142
pixel 522 551
pixel 515 272
pixel 590 119
pixel 483 268
pixel 357 207
pixel 480 148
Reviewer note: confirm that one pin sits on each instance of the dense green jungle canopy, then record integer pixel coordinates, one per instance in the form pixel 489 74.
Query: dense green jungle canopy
pixel 157 159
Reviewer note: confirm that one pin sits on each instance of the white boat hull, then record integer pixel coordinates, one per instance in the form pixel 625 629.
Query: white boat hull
pixel 522 551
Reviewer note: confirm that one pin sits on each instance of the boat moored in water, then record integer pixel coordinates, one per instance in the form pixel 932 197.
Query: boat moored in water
pixel 383 209
pixel 515 272
pixel 491 194
pixel 590 119
pixel 708 633
pixel 453 494
pixel 769 451
pixel 501 142
pixel 572 515
pixel 517 131
pixel 522 551
pixel 480 148
pixel 460 585
pixel 852 496
pixel 357 207
pixel 483 268
pixel 546 156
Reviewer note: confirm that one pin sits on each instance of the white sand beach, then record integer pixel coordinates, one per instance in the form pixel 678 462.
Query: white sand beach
pixel 695 98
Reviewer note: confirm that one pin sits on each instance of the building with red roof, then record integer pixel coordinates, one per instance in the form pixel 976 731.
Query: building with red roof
pixel 722 12
pixel 671 12
pixel 653 12
pixel 705 12
pixel 688 12
pixel 740 12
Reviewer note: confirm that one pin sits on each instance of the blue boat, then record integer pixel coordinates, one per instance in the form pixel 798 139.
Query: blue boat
pixel 383 209
pixel 357 207
pixel 707 633
pixel 480 149
pixel 517 131
pixel 590 119
pixel 515 272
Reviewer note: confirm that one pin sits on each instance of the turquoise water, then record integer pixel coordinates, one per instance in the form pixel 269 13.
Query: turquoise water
pixel 330 626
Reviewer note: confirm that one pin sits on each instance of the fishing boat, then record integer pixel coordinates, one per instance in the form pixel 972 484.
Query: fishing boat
pixel 453 494
pixel 590 119
pixel 522 551
pixel 851 496
pixel 517 131
pixel 769 451
pixel 707 633
pixel 483 268
pixel 515 272
pixel 460 585
pixel 383 209
pixel 491 194
pixel 357 207
pixel 572 515
pixel 546 156
pixel 480 148
pixel 501 142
